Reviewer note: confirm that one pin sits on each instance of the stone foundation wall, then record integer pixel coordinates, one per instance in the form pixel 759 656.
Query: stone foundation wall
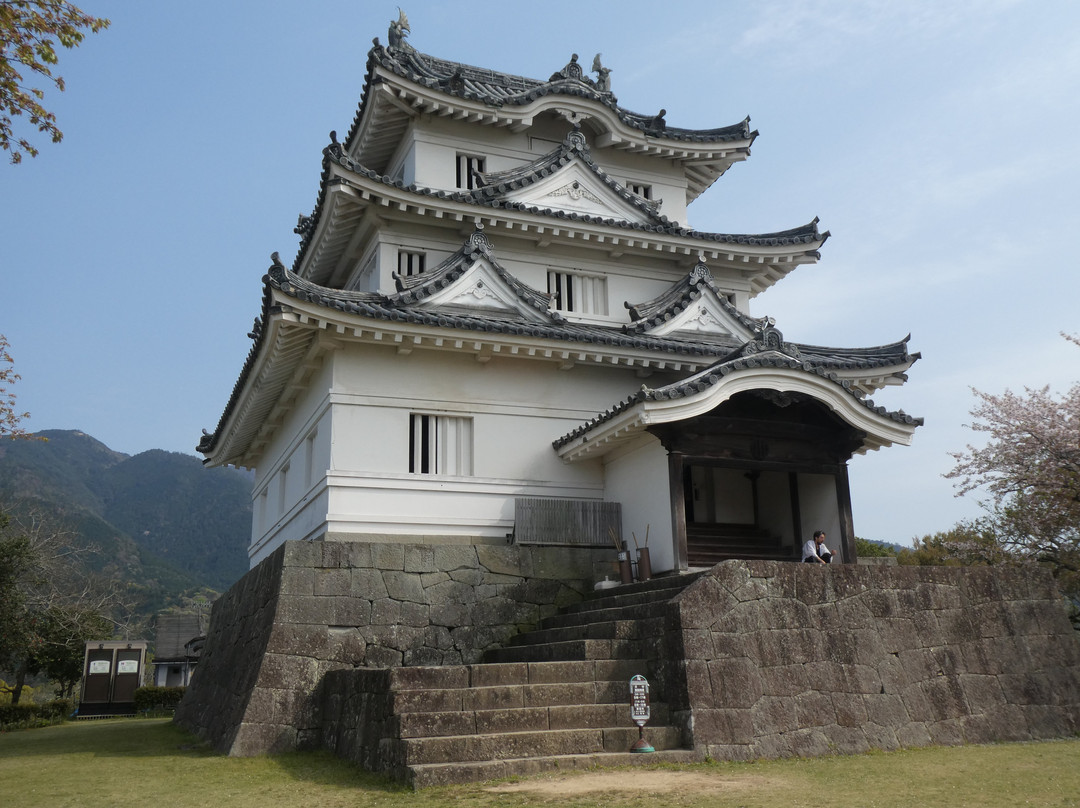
pixel 769 660
pixel 314 607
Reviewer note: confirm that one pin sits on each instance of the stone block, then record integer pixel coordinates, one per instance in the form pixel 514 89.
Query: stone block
pixel 332 582
pixel 387 556
pixel 845 740
pixel 913 735
pixel 540 673
pixel 414 614
pixel 419 558
pixel 946 697
pixel 782 680
pixel 771 714
pixel 309 610
pixel 419 678
pixel 949 732
pixel 550 695
pixel 334 554
pixel 813 709
pixel 886 710
pixel 297 581
pixel 438 637
pixel 723 726
pixel 529 719
pixel 880 737
pixel 262 739
pixel 471 577
pixel 404 586
pixel 301 554
pixel 425 725
pixel 500 697
pixel 737 683
pixel 587 716
pixel 285 672
pixel 385 612
pixel 500 560
pixel 451 615
pixel 1026 688
pixel 367 583
pixel 300 639
pixel 1049 722
pixel 345 645
pixel 449 592
pixel 349 611
pixel 850 709
pixel 381 657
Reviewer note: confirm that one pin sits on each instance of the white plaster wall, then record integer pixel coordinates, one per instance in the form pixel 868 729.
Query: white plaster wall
pixel 637 478
pixel 434 143
pixel 818 507
pixel 351 481
pixel 774 497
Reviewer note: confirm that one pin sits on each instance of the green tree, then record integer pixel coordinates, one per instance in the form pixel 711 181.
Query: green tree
pixel 966 544
pixel 31 31
pixel 10 417
pixel 50 605
pixel 865 548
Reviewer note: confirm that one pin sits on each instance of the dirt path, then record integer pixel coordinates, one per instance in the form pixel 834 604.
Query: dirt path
pixel 668 783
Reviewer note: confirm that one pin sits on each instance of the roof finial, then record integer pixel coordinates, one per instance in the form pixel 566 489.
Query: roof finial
pixel 603 75
pixel 399 29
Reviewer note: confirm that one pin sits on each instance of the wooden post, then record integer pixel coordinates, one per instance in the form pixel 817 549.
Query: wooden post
pixel 678 508
pixel 847 524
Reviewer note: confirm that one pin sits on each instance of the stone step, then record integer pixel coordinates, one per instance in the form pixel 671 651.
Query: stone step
pixel 615 599
pixel 525 719
pixel 509 673
pixel 641 611
pixel 602 630
pixel 568 650
pixel 500 745
pixel 444 774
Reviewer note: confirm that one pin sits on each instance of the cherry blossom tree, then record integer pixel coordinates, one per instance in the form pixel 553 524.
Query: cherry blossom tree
pixel 31 32
pixel 1030 468
pixel 9 416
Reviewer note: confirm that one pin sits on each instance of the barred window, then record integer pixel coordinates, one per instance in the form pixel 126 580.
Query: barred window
pixel 466 165
pixel 578 292
pixel 410 262
pixel 644 191
pixel 440 444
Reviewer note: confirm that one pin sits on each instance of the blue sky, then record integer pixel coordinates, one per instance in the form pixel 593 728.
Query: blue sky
pixel 936 140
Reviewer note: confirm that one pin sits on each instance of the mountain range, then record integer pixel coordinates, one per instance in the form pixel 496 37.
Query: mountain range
pixel 164 525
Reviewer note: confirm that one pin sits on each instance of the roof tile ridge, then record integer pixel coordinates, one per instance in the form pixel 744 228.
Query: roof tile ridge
pixel 413 290
pixel 678 297
pixel 573 146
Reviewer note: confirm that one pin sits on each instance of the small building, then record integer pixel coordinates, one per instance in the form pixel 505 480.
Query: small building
pixel 498 298
pixel 112 671
pixel 179 642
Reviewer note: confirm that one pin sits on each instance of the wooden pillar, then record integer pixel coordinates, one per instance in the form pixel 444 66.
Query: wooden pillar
pixel 796 511
pixel 847 524
pixel 678 508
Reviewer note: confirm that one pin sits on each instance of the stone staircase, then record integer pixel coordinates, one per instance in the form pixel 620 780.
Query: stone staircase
pixel 707 544
pixel 556 699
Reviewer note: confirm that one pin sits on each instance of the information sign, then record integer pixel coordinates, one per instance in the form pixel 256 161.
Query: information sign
pixel 99 666
pixel 127 666
pixel 639 700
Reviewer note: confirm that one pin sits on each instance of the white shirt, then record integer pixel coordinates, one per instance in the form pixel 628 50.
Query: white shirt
pixel 810 549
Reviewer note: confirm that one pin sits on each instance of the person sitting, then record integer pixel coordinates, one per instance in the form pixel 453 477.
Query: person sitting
pixel 815 551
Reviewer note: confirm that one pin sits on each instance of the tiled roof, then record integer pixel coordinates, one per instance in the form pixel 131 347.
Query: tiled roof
pixel 174 632
pixel 498 89
pixel 334 154
pixel 648 315
pixel 768 350
pixel 496 184
pixel 406 306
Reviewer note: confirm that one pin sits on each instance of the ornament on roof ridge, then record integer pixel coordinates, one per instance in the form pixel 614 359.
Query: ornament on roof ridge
pixel 700 274
pixel 399 29
pixel 478 242
pixel 572 71
pixel 603 75
pixel 335 149
pixel 575 139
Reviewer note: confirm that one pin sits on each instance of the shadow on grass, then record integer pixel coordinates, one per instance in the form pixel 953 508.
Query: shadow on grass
pixel 159 737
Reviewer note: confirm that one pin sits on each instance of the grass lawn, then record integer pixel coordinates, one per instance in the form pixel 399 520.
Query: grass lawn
pixel 128 762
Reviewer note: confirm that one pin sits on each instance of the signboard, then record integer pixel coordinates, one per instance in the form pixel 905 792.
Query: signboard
pixel 639 700
pixel 127 666
pixel 99 666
